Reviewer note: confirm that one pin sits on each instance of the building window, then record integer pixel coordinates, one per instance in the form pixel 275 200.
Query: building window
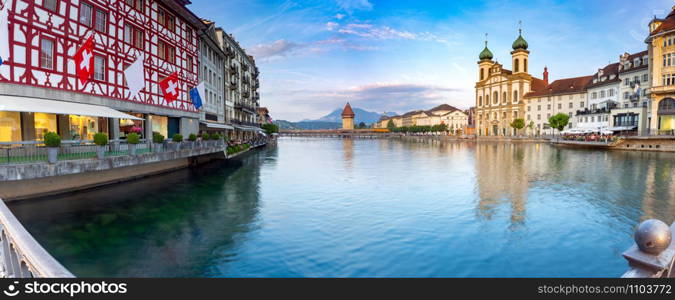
pixel 46 53
pixel 594 95
pixel 538 107
pixel 86 14
pixel 166 19
pixel 189 64
pixel 136 4
pixel 611 92
pixel 51 5
pixel 559 105
pixel 188 35
pixel 480 100
pixel 133 36
pixel 581 104
pixel 645 77
pixel 99 68
pixel 504 97
pixel 100 20
pixel 515 96
pixel 571 105
pixel 602 94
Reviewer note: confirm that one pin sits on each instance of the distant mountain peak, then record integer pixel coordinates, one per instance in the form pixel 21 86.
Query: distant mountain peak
pixel 361 115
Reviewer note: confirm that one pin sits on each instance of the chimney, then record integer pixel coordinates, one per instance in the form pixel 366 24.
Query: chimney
pixel 546 75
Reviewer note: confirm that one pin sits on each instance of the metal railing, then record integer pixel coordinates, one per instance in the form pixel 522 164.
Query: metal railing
pixel 35 151
pixel 21 256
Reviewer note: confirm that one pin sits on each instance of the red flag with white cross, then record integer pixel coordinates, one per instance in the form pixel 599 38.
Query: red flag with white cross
pixel 84 60
pixel 169 87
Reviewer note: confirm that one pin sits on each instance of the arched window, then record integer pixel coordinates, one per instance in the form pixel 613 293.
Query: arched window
pixel 515 96
pixel 504 97
pixel 495 97
pixel 480 100
pixel 667 106
pixel 515 65
pixel 525 65
pixel 481 74
pixel 487 100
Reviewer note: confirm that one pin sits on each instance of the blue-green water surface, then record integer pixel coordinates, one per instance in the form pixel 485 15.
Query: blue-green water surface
pixel 366 208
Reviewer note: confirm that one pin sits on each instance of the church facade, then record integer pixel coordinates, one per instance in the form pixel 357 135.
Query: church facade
pixel 499 91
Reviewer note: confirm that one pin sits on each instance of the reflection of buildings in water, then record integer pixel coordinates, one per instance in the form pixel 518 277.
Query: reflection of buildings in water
pixel 176 224
pixel 501 176
pixel 659 196
pixel 348 152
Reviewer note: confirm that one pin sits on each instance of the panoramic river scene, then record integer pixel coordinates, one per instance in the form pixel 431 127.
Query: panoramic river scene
pixel 398 207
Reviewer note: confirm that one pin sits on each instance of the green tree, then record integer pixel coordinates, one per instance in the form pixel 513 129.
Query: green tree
pixel 559 121
pixel 270 128
pixel 531 126
pixel 518 124
pixel 362 125
pixel 391 126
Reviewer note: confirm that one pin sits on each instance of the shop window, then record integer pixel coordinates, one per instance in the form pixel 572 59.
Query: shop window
pixel 44 123
pixel 128 126
pixel 10 126
pixel 161 125
pixel 82 127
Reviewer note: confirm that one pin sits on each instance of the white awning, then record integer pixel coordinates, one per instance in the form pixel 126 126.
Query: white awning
pixel 622 128
pixel 29 104
pixel 247 128
pixel 217 125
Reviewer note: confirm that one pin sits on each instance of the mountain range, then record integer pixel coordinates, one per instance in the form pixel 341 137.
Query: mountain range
pixel 333 120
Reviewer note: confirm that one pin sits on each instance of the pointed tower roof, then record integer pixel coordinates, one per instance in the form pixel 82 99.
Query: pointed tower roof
pixel 347 111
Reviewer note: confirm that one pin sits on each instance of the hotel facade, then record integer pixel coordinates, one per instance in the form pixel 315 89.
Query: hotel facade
pixel 661 47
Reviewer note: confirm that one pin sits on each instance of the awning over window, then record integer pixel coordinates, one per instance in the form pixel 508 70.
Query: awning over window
pixel 29 104
pixel 248 128
pixel 218 126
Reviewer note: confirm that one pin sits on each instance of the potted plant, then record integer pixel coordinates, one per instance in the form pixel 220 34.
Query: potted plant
pixel 177 139
pixel 101 140
pixel 132 140
pixel 192 138
pixel 53 142
pixel 205 139
pixel 216 138
pixel 158 140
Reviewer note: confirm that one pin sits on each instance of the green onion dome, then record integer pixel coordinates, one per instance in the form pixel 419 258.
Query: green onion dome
pixel 485 54
pixel 519 43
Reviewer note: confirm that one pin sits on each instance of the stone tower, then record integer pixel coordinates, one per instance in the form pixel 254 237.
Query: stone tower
pixel 348 117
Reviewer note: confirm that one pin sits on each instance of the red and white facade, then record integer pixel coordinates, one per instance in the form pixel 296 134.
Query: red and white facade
pixel 44 36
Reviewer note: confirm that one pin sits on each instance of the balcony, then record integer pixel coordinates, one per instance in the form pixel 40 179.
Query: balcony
pixel 237 122
pixel 233 70
pixel 603 110
pixel 245 108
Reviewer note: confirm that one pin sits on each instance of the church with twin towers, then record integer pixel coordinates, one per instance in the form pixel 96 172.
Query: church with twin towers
pixel 500 91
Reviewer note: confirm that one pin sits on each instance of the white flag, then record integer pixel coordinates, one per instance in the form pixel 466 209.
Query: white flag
pixel 135 76
pixel 4 33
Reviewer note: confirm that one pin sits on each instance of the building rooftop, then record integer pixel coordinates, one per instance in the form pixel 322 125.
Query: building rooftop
pixel 347 111
pixel 563 86
pixel 668 23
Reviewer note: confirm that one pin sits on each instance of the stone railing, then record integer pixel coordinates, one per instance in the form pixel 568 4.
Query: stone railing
pixel 21 256
pixel 653 254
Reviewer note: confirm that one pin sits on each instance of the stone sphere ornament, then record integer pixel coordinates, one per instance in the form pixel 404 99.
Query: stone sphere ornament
pixel 653 236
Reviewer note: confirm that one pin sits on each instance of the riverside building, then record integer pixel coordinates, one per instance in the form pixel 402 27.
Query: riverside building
pixel 211 73
pixel 499 91
pixel 39 85
pixel 661 47
pixel 567 96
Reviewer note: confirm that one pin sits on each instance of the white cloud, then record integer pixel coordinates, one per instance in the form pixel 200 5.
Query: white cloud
pixel 330 26
pixel 339 16
pixel 277 49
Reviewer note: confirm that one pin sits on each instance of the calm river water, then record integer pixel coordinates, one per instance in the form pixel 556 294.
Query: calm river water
pixel 366 208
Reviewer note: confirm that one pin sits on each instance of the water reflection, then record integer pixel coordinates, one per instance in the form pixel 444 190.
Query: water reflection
pixel 350 207
pixel 175 224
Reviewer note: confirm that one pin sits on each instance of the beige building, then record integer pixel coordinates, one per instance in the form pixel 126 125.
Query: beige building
pixel 567 96
pixel 661 47
pixel 499 91
pixel 348 117
pixel 457 121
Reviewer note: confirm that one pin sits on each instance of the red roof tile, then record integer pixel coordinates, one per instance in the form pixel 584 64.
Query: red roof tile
pixel 667 25
pixel 348 112
pixel 563 86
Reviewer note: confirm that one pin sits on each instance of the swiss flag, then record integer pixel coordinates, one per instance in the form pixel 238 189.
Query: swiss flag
pixel 84 60
pixel 169 87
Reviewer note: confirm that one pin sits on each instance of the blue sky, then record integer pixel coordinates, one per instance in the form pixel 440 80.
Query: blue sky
pixel 390 55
